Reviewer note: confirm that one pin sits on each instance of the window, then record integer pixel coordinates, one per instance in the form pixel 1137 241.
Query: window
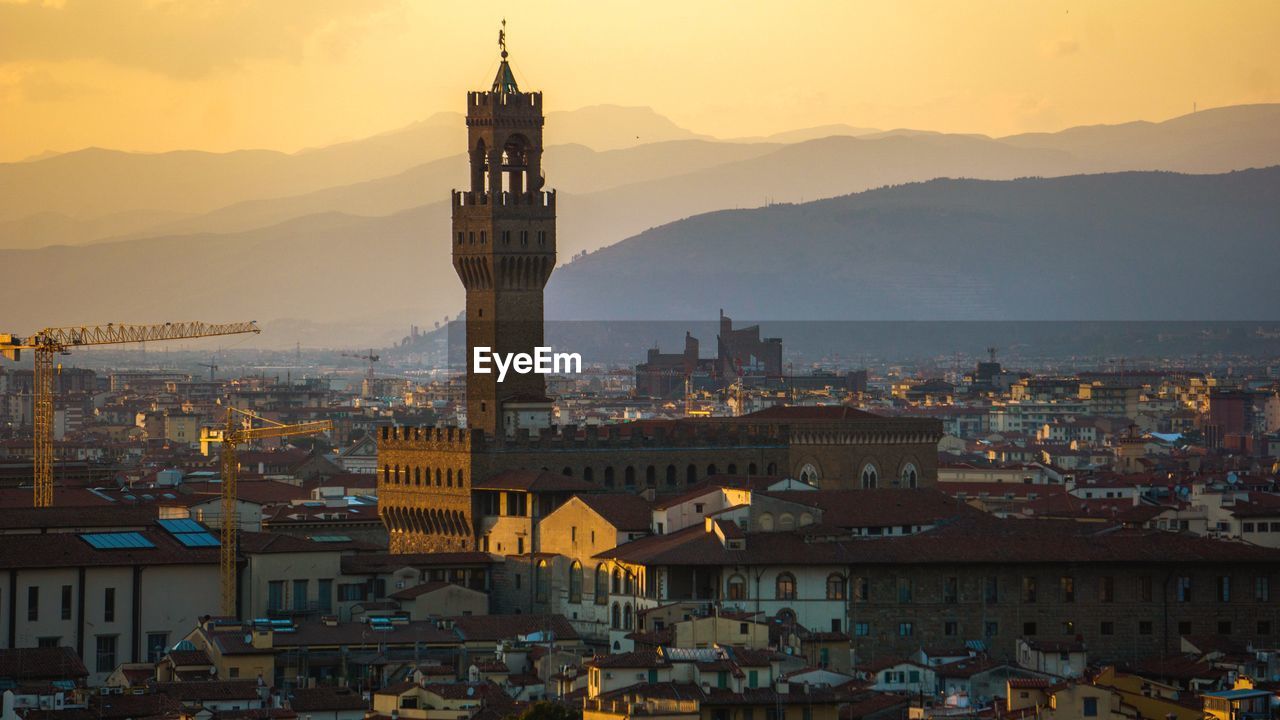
pixel 861 629
pixel 1091 707
pixel 991 629
pixel 350 592
pixel 1145 627
pixel 324 595
pixel 951 628
pixel 1028 629
pixel 49 642
pixel 786 586
pixel 1262 588
pixel 33 603
pixel 602 584
pixel 1144 588
pixel 157 643
pixel 870 477
pixel 904 590
pixel 66 602
pixel 861 589
pixel 1068 586
pixel 905 629
pixel 835 586
pixel 1107 589
pixel 950 590
pixel 1068 627
pixel 575 582
pixel 1224 588
pixel 106 653
pixel 542 581
pixel 1028 589
pixel 991 592
pixel 109 605
pixel 1107 628
pixel 1224 627
pixel 275 596
pixel 737 587
pixel 1184 589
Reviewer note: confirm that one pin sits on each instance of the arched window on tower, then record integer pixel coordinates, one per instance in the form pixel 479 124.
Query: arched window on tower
pixel 870 476
pixel 575 582
pixel 910 476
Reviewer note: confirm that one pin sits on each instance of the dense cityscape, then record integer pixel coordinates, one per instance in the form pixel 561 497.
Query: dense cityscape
pixel 774 520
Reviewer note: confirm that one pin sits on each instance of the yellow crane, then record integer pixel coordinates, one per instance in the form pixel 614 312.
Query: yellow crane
pixel 54 341
pixel 240 430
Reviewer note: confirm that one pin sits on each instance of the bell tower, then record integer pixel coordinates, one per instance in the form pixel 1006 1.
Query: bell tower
pixel 504 249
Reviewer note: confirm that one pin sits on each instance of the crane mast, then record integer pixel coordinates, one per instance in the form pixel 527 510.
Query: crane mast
pixel 54 341
pixel 238 431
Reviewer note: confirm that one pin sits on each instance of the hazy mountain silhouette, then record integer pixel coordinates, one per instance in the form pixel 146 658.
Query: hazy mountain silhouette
pixel 1127 246
pixel 1118 246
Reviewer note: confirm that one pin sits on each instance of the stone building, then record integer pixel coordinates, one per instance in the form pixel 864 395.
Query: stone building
pixel 504 250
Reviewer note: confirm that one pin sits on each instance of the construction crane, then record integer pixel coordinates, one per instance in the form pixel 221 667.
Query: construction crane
pixel 213 368
pixel 371 358
pixel 238 431
pixel 59 341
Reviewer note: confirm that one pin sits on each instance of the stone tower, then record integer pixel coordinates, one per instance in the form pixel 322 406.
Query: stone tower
pixel 504 249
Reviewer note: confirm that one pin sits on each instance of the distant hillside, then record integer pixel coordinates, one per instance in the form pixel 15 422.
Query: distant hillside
pixel 1118 246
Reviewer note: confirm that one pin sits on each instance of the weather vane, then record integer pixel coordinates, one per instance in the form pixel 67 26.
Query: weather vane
pixel 502 38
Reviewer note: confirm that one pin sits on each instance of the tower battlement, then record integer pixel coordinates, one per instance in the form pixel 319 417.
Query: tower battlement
pixel 543 199
pixel 486 108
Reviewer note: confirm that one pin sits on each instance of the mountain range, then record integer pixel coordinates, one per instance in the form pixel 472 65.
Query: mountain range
pixel 347 245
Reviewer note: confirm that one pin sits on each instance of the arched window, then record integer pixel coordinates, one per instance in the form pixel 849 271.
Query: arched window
pixel 806 519
pixel 615 616
pixel 787 616
pixel 766 522
pixel 771 469
pixel 386 474
pixel 671 476
pixel 575 582
pixel 786 586
pixel 733 468
pixel 628 584
pixel 460 483
pixel 786 521
pixel 870 477
pixel 449 477
pixel 835 586
pixel 608 476
pixel 711 470
pixel 396 474
pixel 438 477
pixel 602 584
pixel 650 476
pixel 751 468
pixel 629 477
pixel 417 476
pixel 808 474
pixel 617 582
pixel 588 474
pixel 568 472
pixel 737 588
pixel 542 581
pixel 690 475
pixel 910 477
pixel 626 617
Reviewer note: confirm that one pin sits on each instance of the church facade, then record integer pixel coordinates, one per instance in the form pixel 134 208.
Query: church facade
pixel 504 251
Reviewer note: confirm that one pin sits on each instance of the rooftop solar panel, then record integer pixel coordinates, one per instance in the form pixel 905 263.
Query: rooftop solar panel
pixel 182 525
pixel 117 541
pixel 196 539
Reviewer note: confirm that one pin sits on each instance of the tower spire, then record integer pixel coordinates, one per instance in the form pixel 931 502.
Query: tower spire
pixel 505 81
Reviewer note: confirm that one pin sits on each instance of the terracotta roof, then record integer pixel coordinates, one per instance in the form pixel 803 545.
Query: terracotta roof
pixel 422 589
pixel 189 692
pixel 646 658
pixel 881 507
pixel 818 412
pixel 371 563
pixel 624 512
pixel 35 664
pixel 534 481
pixel 325 699
pixel 501 627
pixel 266 543
pixel 70 550
pixel 106 515
pixel 188 658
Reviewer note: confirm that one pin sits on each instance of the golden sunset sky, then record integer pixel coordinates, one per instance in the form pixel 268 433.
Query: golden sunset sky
pixel 155 75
